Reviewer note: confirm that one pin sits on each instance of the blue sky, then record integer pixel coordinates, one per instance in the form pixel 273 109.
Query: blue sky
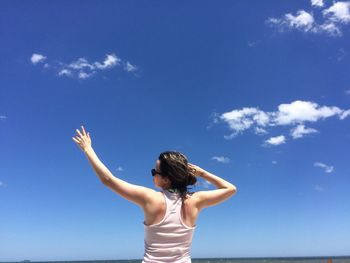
pixel 256 92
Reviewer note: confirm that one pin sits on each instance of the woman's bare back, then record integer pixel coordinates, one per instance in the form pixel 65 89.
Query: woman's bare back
pixel 155 212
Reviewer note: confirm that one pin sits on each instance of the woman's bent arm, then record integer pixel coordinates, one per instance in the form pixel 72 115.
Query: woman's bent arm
pixel 213 197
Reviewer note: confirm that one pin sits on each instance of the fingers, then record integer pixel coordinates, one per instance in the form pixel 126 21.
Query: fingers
pixel 79 133
pixel 82 138
pixel 82 127
pixel 75 140
pixel 191 165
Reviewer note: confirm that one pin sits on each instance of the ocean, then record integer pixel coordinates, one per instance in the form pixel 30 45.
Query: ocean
pixel 330 259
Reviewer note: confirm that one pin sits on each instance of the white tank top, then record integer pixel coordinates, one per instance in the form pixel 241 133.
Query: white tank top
pixel 169 240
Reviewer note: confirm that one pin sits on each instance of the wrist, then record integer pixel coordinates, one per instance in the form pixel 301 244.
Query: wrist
pixel 200 173
pixel 87 149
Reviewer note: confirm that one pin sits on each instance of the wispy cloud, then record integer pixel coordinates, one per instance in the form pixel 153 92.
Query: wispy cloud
pixel 300 131
pixel 253 43
pixel 120 169
pixel 204 184
pixel 130 68
pixel 82 68
pixel 3 117
pixel 303 21
pixel 296 114
pixel 345 114
pixel 274 162
pixel 347 92
pixel 276 140
pixel 37 58
pixel 319 188
pixel 333 19
pixel 221 159
pixel 341 54
pixel 327 168
pixel 318 3
pixel 260 131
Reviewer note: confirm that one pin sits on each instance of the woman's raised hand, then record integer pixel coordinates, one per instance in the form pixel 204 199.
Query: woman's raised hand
pixel 82 139
pixel 197 170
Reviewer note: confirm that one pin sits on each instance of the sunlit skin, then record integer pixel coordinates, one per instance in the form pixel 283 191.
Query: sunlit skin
pixel 143 196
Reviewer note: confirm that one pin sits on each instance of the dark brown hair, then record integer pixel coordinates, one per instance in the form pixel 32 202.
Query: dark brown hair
pixel 174 166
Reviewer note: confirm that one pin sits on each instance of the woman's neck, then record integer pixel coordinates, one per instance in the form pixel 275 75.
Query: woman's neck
pixel 172 190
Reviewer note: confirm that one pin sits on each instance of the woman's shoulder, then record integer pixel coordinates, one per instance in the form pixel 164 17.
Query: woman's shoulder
pixel 158 196
pixel 191 197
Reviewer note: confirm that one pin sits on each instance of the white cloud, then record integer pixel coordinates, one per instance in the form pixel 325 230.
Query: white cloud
pixel 120 169
pixel 260 131
pixel 221 159
pixel 318 188
pixel 329 28
pixel 300 131
pixel 81 68
pixel 301 111
pixel 229 137
pixel 37 58
pixel 276 140
pixel 327 168
pixel 344 114
pixel 84 75
pixel 128 67
pixel 331 19
pixel 303 21
pixel 295 113
pixel 338 12
pixel 240 120
pixel 204 184
pixel 318 3
pixel 65 72
pixel 274 162
pixel 81 63
pixel 261 118
pixel 347 92
pixel 253 43
pixel 1 183
pixel 110 61
pixel 3 117
pixel 341 54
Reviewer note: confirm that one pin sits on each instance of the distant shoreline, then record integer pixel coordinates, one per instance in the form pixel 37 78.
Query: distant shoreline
pixel 193 259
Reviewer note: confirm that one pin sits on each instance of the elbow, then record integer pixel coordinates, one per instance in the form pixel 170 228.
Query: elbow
pixel 233 189
pixel 105 181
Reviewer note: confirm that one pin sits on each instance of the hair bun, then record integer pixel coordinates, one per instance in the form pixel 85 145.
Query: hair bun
pixel 191 179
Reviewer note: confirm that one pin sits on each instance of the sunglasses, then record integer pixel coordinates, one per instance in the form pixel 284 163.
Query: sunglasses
pixel 154 172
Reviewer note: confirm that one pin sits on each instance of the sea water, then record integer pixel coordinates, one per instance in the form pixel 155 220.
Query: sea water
pixel 223 260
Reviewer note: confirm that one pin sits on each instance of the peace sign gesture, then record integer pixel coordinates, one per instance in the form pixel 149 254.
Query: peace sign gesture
pixel 82 139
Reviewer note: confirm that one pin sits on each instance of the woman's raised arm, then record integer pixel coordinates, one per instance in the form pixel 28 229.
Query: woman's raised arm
pixel 212 197
pixel 137 194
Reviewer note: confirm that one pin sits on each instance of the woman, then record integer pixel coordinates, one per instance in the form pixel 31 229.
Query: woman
pixel 171 214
